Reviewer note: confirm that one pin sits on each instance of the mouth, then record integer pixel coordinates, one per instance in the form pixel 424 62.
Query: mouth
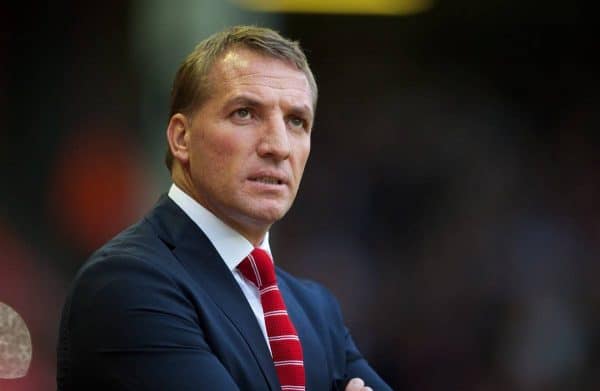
pixel 267 180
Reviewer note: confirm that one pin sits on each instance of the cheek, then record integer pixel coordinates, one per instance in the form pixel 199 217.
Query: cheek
pixel 219 143
pixel 219 149
pixel 224 154
pixel 302 153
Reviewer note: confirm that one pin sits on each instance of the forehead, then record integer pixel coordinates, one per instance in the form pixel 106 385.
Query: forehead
pixel 243 70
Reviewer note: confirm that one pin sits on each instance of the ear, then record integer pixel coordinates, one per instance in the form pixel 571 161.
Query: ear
pixel 178 136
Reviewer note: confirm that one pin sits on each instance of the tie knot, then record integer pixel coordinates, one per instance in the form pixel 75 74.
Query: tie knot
pixel 258 268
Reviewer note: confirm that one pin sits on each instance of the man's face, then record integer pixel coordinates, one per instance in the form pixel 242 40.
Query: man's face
pixel 250 140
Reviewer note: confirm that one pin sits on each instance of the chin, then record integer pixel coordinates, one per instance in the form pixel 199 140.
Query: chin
pixel 270 217
pixel 270 214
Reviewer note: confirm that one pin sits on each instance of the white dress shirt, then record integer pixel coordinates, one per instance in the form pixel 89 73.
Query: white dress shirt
pixel 230 244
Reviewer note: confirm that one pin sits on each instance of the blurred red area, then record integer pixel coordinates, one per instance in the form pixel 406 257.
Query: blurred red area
pixel 97 185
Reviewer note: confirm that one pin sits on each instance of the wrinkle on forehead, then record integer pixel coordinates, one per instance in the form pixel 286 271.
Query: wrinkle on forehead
pixel 270 82
pixel 238 68
pixel 246 74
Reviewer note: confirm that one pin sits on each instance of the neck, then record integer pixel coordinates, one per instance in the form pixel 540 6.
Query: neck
pixel 253 232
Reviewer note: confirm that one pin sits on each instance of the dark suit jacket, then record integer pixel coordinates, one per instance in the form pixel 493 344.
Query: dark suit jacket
pixel 156 308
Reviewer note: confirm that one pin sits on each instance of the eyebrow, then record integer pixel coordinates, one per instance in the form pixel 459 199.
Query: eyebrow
pixel 302 111
pixel 245 100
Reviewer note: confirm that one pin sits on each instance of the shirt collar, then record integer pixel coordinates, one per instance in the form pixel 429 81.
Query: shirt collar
pixel 230 244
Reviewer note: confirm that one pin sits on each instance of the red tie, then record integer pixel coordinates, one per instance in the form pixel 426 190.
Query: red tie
pixel 283 338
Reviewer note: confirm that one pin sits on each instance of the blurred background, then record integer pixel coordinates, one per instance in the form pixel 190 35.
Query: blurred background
pixel 450 201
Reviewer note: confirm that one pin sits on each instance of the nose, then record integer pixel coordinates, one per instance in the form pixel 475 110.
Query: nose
pixel 274 143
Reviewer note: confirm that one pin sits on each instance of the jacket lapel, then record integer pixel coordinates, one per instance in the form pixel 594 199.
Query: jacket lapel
pixel 316 365
pixel 193 249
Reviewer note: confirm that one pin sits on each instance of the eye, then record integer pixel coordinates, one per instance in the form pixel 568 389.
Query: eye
pixel 242 113
pixel 297 122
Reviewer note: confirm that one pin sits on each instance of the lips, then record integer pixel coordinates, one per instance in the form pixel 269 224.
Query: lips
pixel 268 178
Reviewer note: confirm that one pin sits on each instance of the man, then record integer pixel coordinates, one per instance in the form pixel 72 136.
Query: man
pixel 187 299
